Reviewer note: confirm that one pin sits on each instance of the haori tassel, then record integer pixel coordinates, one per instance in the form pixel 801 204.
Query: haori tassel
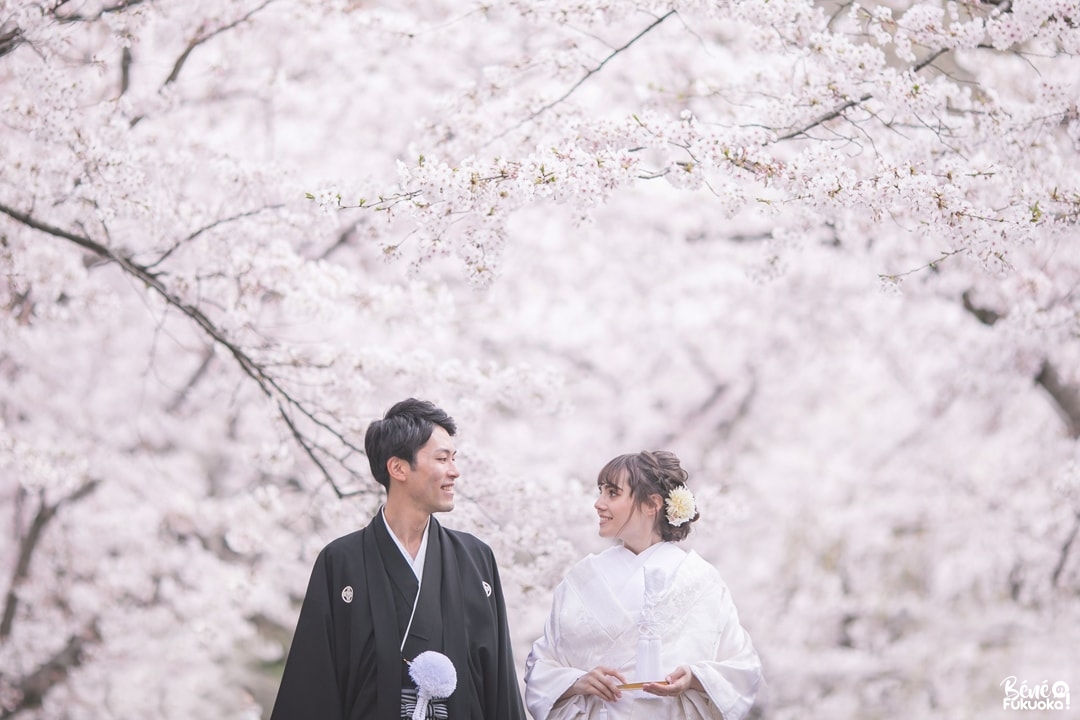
pixel 435 678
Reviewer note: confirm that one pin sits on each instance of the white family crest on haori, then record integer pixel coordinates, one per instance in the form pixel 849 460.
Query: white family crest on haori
pixel 347 594
pixel 435 678
pixel 487 588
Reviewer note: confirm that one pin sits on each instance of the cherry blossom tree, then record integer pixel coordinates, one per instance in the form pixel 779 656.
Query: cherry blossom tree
pixel 820 250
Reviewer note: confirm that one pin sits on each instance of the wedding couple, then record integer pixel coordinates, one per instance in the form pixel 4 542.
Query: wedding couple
pixel 406 619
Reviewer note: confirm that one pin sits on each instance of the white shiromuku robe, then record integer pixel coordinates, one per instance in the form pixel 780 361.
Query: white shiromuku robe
pixel 664 607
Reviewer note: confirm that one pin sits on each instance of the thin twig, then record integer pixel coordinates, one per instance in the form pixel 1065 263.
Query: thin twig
pixel 837 112
pixel 930 265
pixel 587 75
pixel 196 42
pixel 209 227
pixel 600 67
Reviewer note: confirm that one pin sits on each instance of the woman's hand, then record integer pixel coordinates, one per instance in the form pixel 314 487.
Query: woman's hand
pixel 601 681
pixel 679 681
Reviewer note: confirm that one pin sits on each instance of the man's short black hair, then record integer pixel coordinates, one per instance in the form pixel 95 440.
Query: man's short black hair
pixel 401 432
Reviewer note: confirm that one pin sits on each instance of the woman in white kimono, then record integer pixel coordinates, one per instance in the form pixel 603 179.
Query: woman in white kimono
pixel 644 629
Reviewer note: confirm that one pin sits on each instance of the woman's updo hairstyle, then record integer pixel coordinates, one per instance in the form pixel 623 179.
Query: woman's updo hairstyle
pixel 655 472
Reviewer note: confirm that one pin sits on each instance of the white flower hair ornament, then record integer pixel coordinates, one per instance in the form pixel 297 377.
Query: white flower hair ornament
pixel 435 678
pixel 681 506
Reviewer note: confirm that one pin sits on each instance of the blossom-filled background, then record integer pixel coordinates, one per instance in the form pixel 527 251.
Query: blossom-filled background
pixel 827 252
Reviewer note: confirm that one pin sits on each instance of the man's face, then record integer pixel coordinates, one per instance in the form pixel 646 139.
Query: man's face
pixel 430 480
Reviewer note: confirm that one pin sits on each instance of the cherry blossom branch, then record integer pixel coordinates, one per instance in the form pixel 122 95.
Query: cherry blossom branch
pixel 932 265
pixel 31 690
pixel 254 370
pixel 29 543
pixel 600 67
pixel 841 109
pixel 199 40
pixel 587 75
pixel 384 203
pixel 206 228
pixel 77 17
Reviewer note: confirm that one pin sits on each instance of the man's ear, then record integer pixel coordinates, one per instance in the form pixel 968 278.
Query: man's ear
pixel 396 466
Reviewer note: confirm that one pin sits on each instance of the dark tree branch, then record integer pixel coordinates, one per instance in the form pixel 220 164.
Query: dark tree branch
pixel 125 70
pixel 841 109
pixel 344 238
pixel 1066 397
pixel 29 543
pixel 254 370
pixel 726 424
pixel 696 414
pixel 196 42
pixel 198 375
pixel 702 236
pixel 1064 556
pixel 33 688
pixel 985 315
pixel 831 115
pixel 79 17
pixel 10 38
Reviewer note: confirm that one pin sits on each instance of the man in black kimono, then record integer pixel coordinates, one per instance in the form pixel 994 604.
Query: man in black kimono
pixel 404 575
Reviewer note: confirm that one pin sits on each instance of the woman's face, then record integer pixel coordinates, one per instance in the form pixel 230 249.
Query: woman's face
pixel 621 519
